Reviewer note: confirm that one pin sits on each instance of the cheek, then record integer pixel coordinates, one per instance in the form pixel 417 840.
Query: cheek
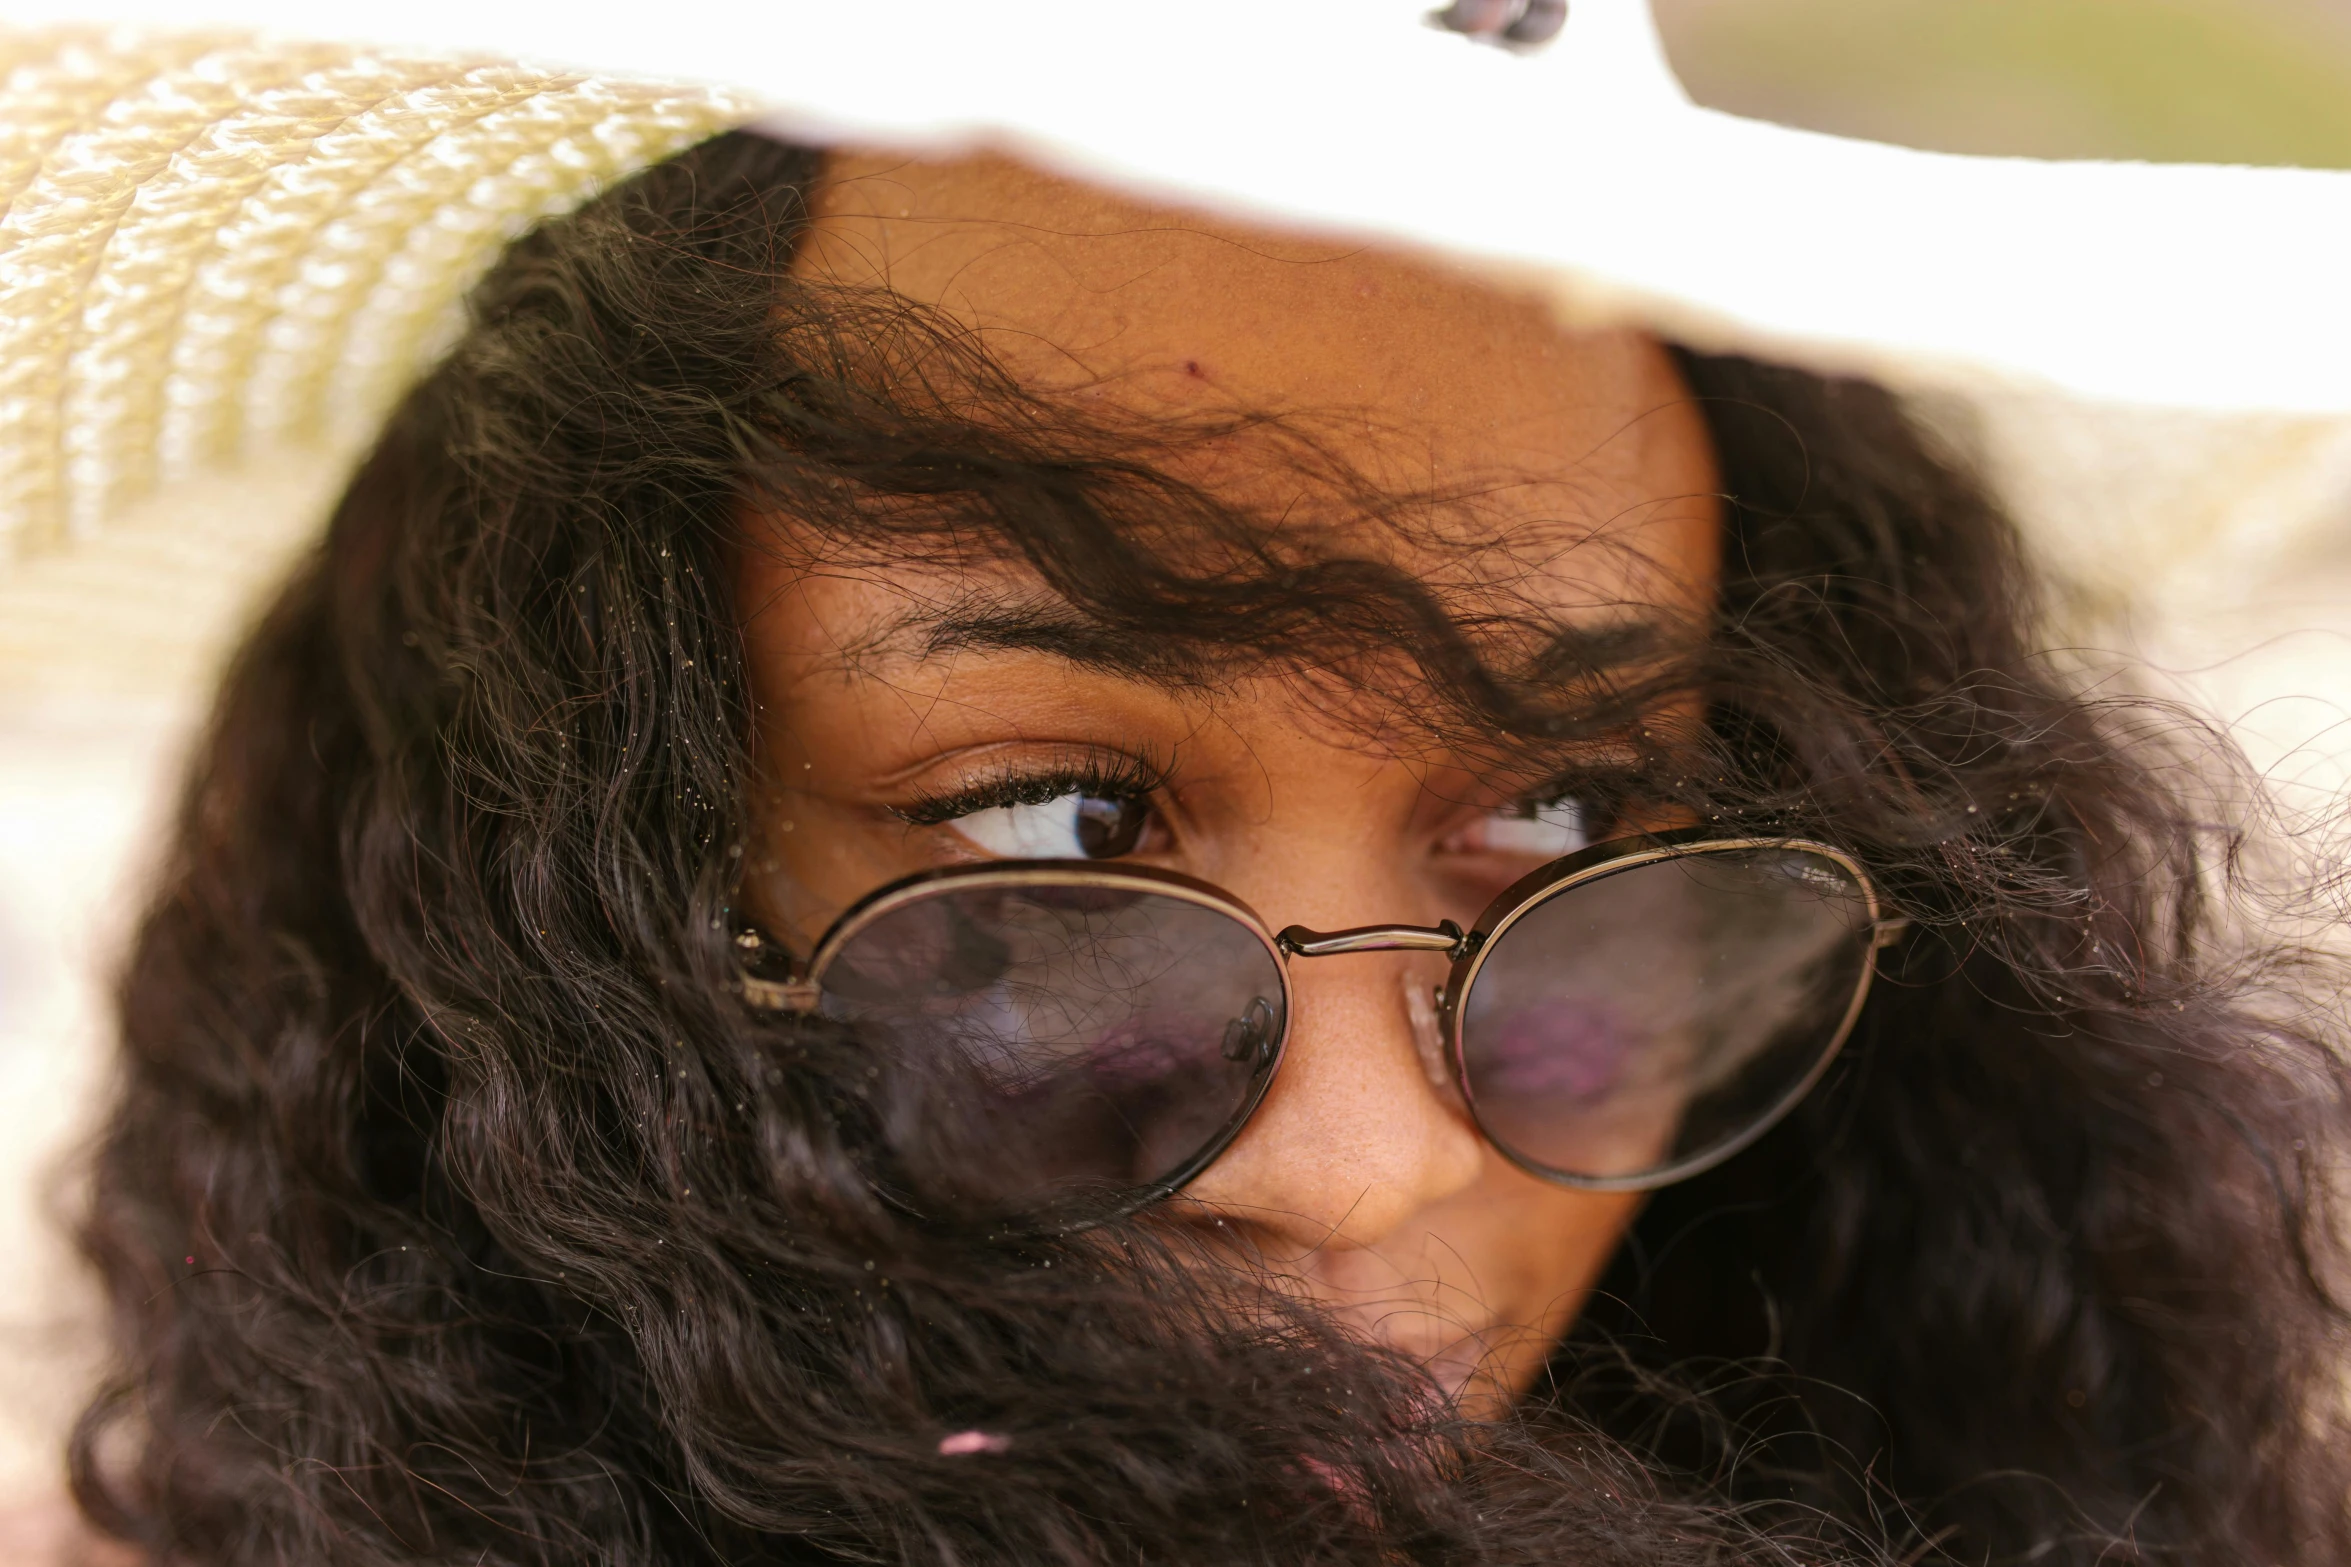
pixel 1543 1246
pixel 1523 1256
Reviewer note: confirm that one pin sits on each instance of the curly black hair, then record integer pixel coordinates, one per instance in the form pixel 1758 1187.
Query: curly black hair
pixel 455 1209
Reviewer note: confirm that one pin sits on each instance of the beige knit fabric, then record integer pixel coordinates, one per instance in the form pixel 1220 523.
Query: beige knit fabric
pixel 214 248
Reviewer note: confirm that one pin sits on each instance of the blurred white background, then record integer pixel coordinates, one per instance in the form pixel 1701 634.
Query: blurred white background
pixel 78 795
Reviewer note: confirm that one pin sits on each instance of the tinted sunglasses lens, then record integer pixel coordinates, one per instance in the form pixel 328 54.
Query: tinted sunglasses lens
pixel 1059 1045
pixel 1664 1013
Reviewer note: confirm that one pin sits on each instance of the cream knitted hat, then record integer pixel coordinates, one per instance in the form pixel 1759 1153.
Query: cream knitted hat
pixel 223 253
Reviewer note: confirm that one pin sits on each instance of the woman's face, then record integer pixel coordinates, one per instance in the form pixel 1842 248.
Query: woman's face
pixel 906 727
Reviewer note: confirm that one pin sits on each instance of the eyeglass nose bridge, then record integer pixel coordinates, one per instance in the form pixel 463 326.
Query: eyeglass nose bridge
pixel 1444 936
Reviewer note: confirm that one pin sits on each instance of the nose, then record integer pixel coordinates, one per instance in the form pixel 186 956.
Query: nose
pixel 1356 1134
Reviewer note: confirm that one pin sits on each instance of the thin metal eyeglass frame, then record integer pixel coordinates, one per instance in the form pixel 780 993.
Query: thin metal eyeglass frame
pixel 803 993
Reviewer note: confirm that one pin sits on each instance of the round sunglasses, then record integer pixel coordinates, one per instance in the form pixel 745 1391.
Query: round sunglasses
pixel 1058 1038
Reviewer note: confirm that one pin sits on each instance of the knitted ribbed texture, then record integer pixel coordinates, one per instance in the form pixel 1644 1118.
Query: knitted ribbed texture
pixel 208 244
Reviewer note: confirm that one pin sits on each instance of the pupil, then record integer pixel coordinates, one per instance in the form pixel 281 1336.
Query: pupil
pixel 1109 828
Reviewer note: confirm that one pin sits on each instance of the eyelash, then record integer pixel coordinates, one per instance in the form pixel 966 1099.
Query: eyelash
pixel 1107 775
pixel 1112 775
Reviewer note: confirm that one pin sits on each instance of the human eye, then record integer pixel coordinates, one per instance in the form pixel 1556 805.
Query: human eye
pixel 1094 812
pixel 1071 826
pixel 1527 829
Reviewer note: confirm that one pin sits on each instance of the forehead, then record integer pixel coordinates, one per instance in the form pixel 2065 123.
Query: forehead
pixel 1566 471
pixel 1408 364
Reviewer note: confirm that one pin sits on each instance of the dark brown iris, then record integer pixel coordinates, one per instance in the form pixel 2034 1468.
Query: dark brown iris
pixel 1108 828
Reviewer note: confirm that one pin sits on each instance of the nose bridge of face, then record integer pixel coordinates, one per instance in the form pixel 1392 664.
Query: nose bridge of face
pixel 1358 1132
pixel 1422 986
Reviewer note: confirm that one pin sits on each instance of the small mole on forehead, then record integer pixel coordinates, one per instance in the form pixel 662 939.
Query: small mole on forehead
pixel 1192 369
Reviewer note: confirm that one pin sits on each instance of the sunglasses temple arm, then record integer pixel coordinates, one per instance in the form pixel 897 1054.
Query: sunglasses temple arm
pixel 779 995
pixel 1445 937
pixel 799 993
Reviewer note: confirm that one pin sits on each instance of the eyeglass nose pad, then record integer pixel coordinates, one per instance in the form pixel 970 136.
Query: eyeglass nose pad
pixel 1421 1007
pixel 1249 1037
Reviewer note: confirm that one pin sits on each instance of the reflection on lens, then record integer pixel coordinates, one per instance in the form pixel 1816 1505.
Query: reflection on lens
pixel 1663 1014
pixel 1051 1044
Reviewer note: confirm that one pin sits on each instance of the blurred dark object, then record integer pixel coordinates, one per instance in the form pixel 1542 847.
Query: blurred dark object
pixel 1518 24
pixel 2207 81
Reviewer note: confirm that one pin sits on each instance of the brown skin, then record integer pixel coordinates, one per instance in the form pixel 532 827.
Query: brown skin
pixel 1360 1175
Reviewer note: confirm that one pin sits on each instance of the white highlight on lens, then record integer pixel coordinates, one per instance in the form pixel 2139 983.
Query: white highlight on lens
pixel 1546 832
pixel 1045 831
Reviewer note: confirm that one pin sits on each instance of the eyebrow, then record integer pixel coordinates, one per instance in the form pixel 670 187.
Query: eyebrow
pixel 987 623
pixel 1058 632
